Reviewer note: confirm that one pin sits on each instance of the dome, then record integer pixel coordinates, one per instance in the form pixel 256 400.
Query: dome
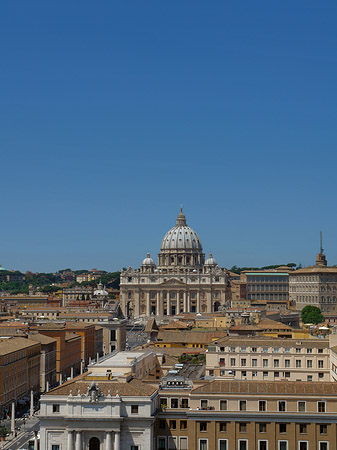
pixel 181 236
pixel 210 261
pixel 100 290
pixel 148 261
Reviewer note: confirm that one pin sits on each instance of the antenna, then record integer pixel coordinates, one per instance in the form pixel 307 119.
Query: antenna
pixel 321 244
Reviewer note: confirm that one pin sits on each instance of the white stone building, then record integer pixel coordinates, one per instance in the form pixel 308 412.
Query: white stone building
pixel 104 409
pixel 182 282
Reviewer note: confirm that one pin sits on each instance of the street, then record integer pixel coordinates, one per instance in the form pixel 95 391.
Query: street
pixel 25 434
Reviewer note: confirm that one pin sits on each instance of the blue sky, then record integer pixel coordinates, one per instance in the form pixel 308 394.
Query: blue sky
pixel 112 114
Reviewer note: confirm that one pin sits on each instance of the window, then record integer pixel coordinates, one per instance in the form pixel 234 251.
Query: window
pixel 203 444
pixel 283 427
pixel 183 424
pixel 203 426
pixel 281 406
pixel 254 349
pixel 301 406
pixel 323 445
pixel 232 350
pixel 298 350
pixel 309 350
pixel 55 447
pixel 243 362
pixel 244 373
pixel 323 428
pixel 203 404
pixel 242 427
pixel 183 443
pixel 134 447
pixel 243 349
pixel 303 428
pixel 265 374
pixel 287 363
pixel 172 443
pixel 254 373
pixel 320 350
pixel 223 444
pixel 262 428
pixel 243 444
pixel 265 362
pixel 184 402
pixel 320 375
pixel 263 445
pixel 282 445
pixel 320 364
pixel 243 405
pixel 161 443
pixel 303 445
pixel 265 349
pixel 298 363
pixel 173 424
pixel 222 426
pixel 309 364
pixel 321 406
pixel 56 408
pixel 276 374
pixel 276 363
pixel 134 409
pixel 232 362
pixel 262 405
pixel 223 405
pixel 309 378
pixel 174 403
pixel 254 362
pixel 287 374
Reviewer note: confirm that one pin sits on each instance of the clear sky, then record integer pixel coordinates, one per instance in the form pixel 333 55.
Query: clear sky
pixel 112 114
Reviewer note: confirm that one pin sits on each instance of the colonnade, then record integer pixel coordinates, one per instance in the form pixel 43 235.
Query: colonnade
pixel 75 440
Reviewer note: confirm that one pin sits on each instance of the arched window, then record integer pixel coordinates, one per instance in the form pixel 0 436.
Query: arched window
pixel 94 444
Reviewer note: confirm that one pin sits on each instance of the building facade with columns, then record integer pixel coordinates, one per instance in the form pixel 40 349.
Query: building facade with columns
pixel 183 281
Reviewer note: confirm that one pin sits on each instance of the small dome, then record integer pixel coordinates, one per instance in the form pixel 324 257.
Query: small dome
pixel 100 290
pixel 181 236
pixel 148 261
pixel 210 261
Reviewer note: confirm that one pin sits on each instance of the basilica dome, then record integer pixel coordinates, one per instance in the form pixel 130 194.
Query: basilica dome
pixel 210 261
pixel 181 236
pixel 148 261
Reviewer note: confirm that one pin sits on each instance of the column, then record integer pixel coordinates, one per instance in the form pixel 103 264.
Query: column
pixel 78 440
pixel 168 306
pixel 158 305
pixel 72 372
pixel 35 441
pixel 178 302
pixel 108 440
pixel 13 418
pixel 198 301
pixel 136 299
pixel 31 403
pixel 117 440
pixel 185 302
pixel 70 440
pixel 148 304
pixel 188 301
pixel 161 304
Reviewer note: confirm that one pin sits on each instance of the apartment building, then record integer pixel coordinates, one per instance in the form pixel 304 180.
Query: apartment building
pixel 19 369
pixel 270 284
pixel 249 415
pixel 47 359
pixel 315 285
pixel 259 358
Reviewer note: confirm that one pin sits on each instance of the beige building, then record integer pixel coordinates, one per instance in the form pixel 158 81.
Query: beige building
pixel 182 282
pixel 259 358
pixel 315 285
pixel 249 415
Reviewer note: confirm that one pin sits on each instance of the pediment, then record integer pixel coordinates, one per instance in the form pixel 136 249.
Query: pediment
pixel 173 282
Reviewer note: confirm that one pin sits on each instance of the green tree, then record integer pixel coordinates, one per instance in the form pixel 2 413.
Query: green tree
pixel 311 314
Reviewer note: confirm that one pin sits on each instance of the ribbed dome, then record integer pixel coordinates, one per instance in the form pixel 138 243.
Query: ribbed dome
pixel 210 261
pixel 148 261
pixel 181 236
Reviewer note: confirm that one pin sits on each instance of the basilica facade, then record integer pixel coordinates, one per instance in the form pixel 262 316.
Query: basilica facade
pixel 183 281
